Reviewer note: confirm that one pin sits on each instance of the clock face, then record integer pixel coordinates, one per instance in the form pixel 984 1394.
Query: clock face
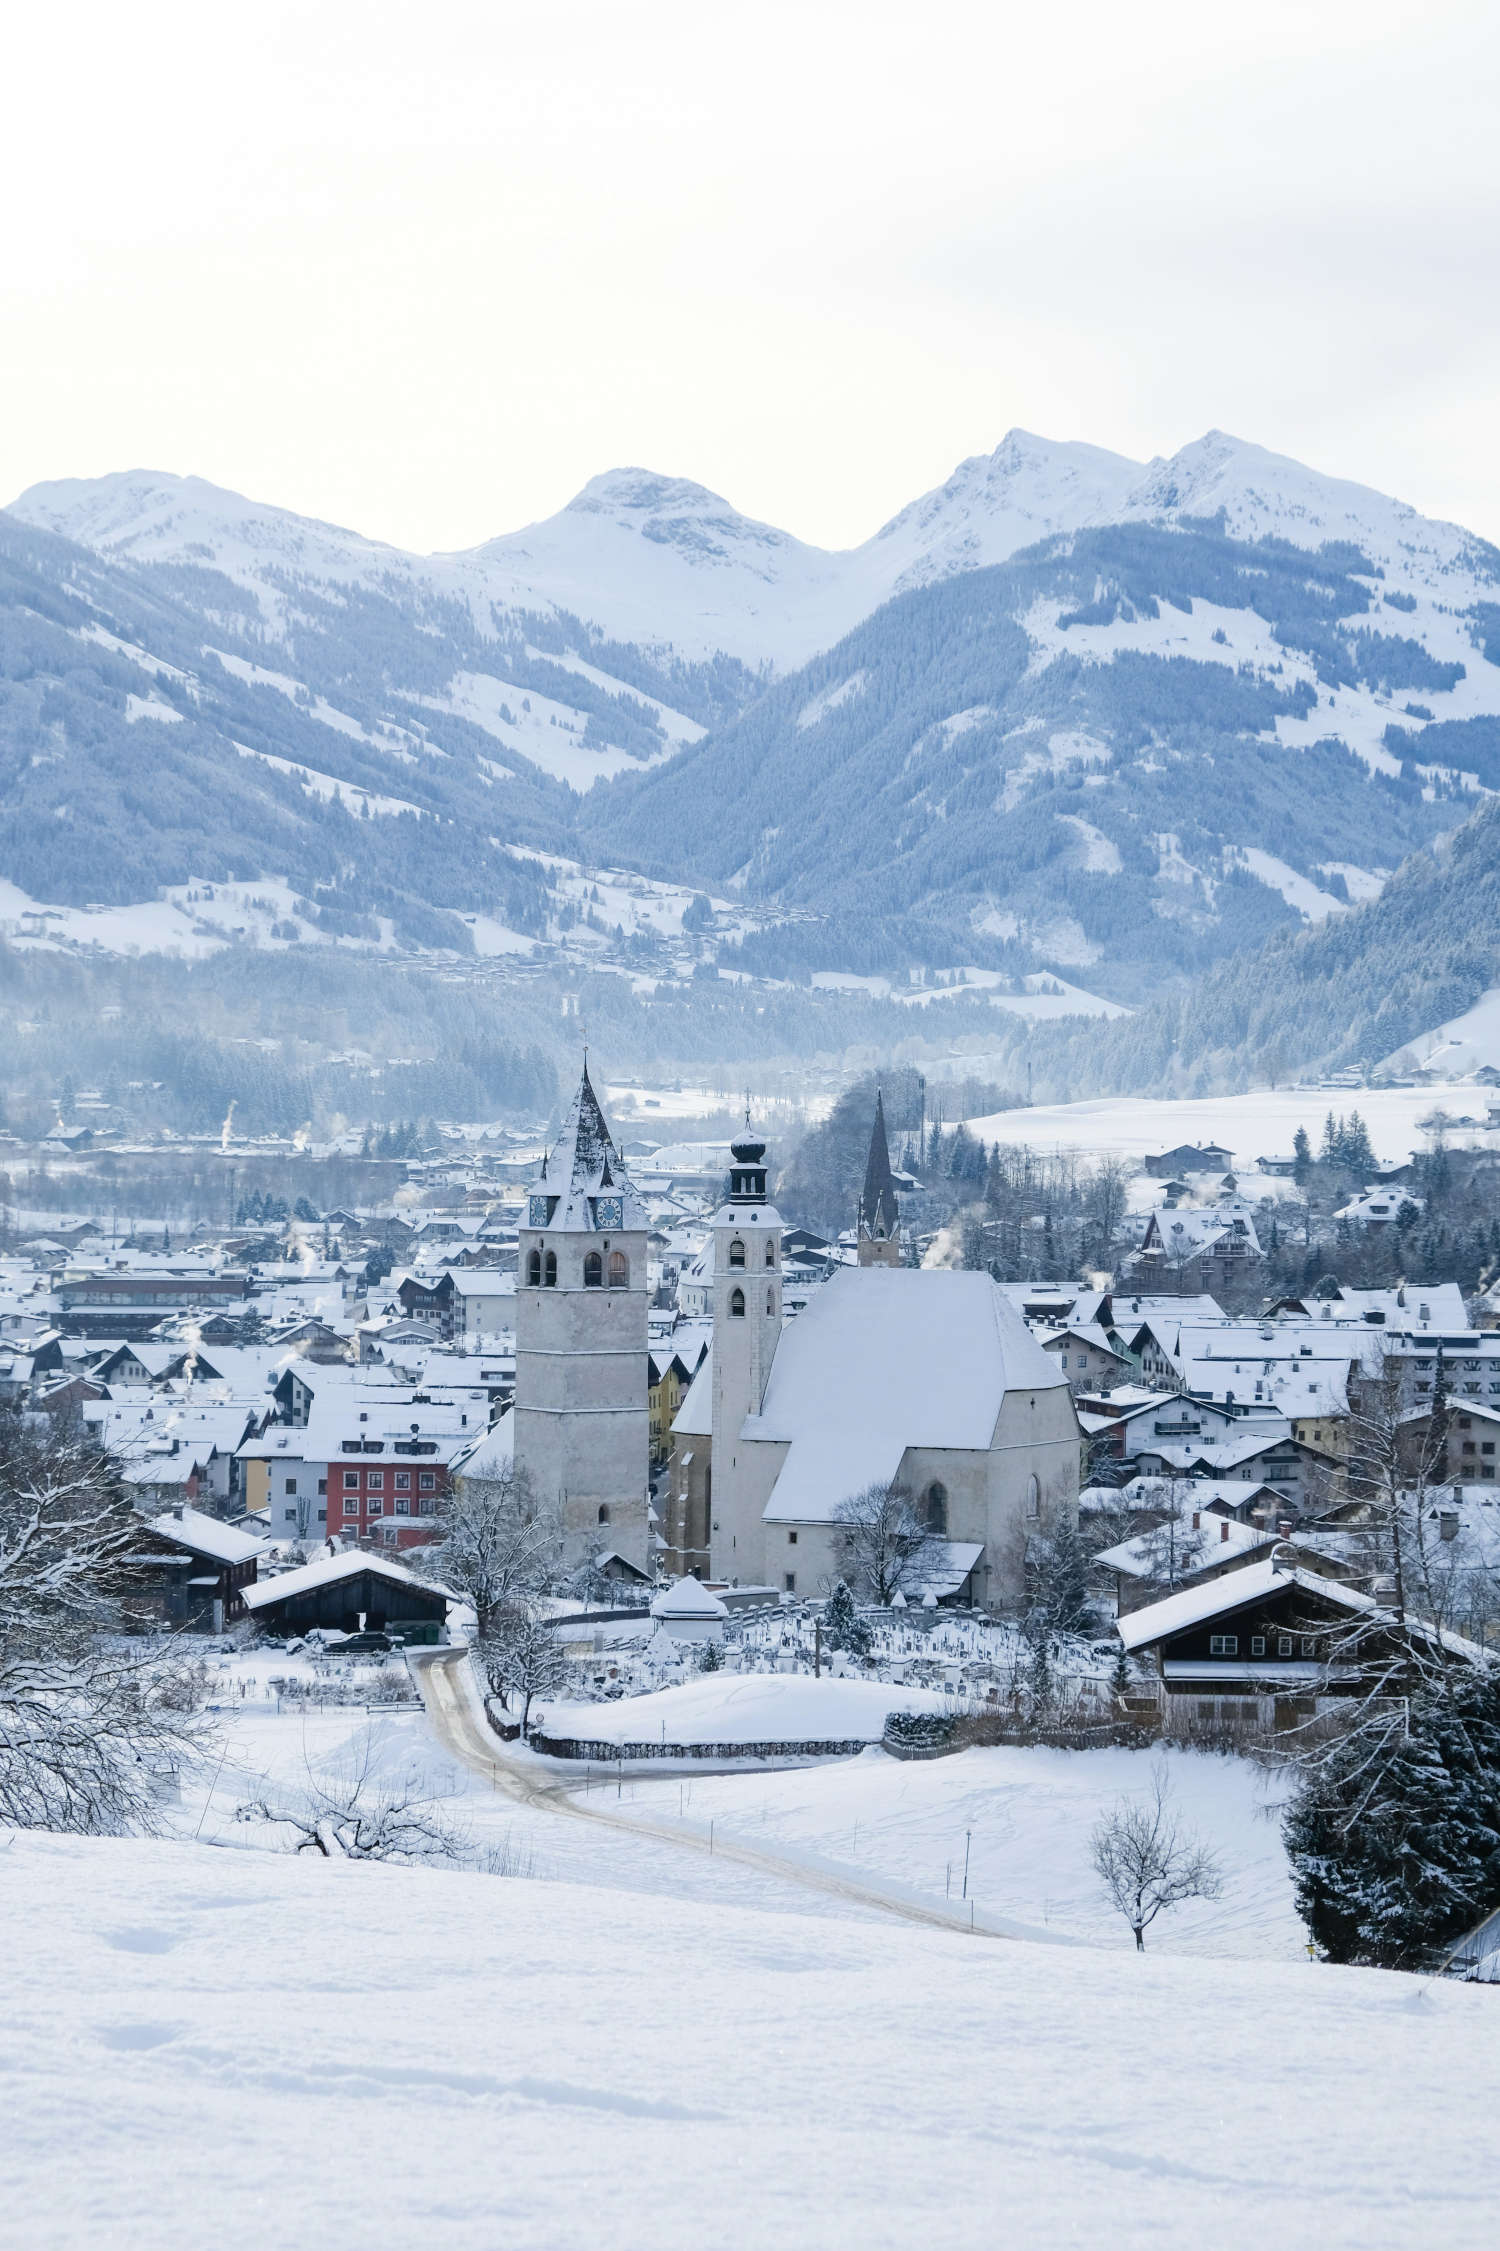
pixel 609 1211
pixel 539 1206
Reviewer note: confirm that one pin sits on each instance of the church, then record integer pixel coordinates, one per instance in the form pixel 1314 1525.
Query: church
pixel 582 1421
pixel 924 1378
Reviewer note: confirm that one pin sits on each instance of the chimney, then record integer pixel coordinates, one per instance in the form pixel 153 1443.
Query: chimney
pixel 1196 1514
pixel 1448 1523
pixel 1224 1531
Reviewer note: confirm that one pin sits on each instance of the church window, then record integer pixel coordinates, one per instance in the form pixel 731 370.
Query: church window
pixel 551 1276
pixel 737 1302
pixel 534 1270
pixel 771 1253
pixel 770 1301
pixel 1033 1497
pixel 593 1271
pixel 604 1512
pixel 619 1271
pixel 736 1252
pixel 937 1510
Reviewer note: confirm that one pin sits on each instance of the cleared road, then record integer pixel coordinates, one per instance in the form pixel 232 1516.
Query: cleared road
pixel 454 1711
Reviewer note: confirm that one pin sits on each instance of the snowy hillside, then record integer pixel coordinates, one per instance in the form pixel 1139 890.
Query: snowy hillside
pixel 660 562
pixel 377 2054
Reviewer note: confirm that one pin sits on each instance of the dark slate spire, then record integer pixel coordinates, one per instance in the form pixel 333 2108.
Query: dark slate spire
pixel 879 1213
pixel 585 1164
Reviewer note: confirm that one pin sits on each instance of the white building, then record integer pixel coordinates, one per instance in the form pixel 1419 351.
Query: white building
pixel 925 1379
pixel 581 1416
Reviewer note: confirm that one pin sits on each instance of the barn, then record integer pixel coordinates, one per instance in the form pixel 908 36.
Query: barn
pixel 351 1593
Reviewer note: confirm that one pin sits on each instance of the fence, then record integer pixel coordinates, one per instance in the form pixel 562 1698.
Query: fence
pixel 599 1753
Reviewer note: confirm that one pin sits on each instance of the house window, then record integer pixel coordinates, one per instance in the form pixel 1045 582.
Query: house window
pixel 426 1480
pixel 322 1484
pixel 1223 1645
pixel 403 1480
pixel 737 1303
pixel 322 1516
pixel 937 1510
pixel 351 1481
pixel 1257 1645
pixel 593 1271
pixel 291 1483
pixel 619 1271
pixel 426 1507
pixel 403 1508
pixel 736 1252
pixel 790 1582
pixel 376 1481
pixel 791 1539
pixel 1065 1359
pixel 377 1508
pixel 351 1507
pixel 1284 1645
pixel 534 1270
pixel 550 1272
pixel 604 1512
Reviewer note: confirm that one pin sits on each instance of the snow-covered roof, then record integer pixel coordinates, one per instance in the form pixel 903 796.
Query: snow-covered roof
pixel 329 1571
pixel 207 1535
pixel 1238 1590
pixel 586 1163
pixel 887 1358
pixel 1214 1539
pixel 490 1454
pixel 687 1598
pixel 694 1418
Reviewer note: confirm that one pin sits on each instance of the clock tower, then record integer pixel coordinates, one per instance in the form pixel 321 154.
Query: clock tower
pixel 581 1419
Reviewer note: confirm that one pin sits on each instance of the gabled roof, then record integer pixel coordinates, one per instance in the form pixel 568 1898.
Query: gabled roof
pixel 1240 1590
pixel 883 1359
pixel 687 1598
pixel 329 1571
pixel 206 1535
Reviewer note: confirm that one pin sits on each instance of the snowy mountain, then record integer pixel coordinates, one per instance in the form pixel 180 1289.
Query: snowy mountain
pixel 1067 712
pixel 665 565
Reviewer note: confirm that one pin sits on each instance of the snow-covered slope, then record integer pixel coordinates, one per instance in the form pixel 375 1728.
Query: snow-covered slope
pixel 664 563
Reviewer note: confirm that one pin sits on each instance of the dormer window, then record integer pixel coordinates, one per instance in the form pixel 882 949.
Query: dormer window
pixel 736 1252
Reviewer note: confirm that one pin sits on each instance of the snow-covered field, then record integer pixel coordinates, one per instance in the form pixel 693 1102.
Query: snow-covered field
pixel 1251 1125
pixel 756 1708
pixel 1026 1816
pixel 259 2050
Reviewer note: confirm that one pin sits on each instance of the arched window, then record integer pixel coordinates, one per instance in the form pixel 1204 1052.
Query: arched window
pixel 551 1274
pixel 604 1512
pixel 737 1303
pixel 771 1251
pixel 534 1270
pixel 736 1252
pixel 937 1510
pixel 1033 1497
pixel 619 1271
pixel 593 1271
pixel 770 1301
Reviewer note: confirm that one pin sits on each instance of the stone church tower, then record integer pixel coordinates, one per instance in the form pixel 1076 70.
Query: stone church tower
pixel 581 1419
pixel 747 1329
pixel 879 1233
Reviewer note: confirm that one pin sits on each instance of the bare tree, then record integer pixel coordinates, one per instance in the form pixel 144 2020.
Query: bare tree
pixel 351 1811
pixel 1147 1861
pixel 89 1728
pixel 496 1546
pixel 522 1656
pixel 879 1542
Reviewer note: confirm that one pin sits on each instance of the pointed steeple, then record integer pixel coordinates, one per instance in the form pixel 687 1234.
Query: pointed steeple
pixel 879 1213
pixel 585 1164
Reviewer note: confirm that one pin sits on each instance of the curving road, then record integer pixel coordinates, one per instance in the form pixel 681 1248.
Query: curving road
pixel 454 1712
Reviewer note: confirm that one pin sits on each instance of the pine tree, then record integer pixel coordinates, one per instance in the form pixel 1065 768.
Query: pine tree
pixel 1302 1156
pixel 1394 1835
pixel 843 1624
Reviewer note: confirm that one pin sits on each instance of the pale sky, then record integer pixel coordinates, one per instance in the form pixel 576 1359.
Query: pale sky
pixel 424 269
